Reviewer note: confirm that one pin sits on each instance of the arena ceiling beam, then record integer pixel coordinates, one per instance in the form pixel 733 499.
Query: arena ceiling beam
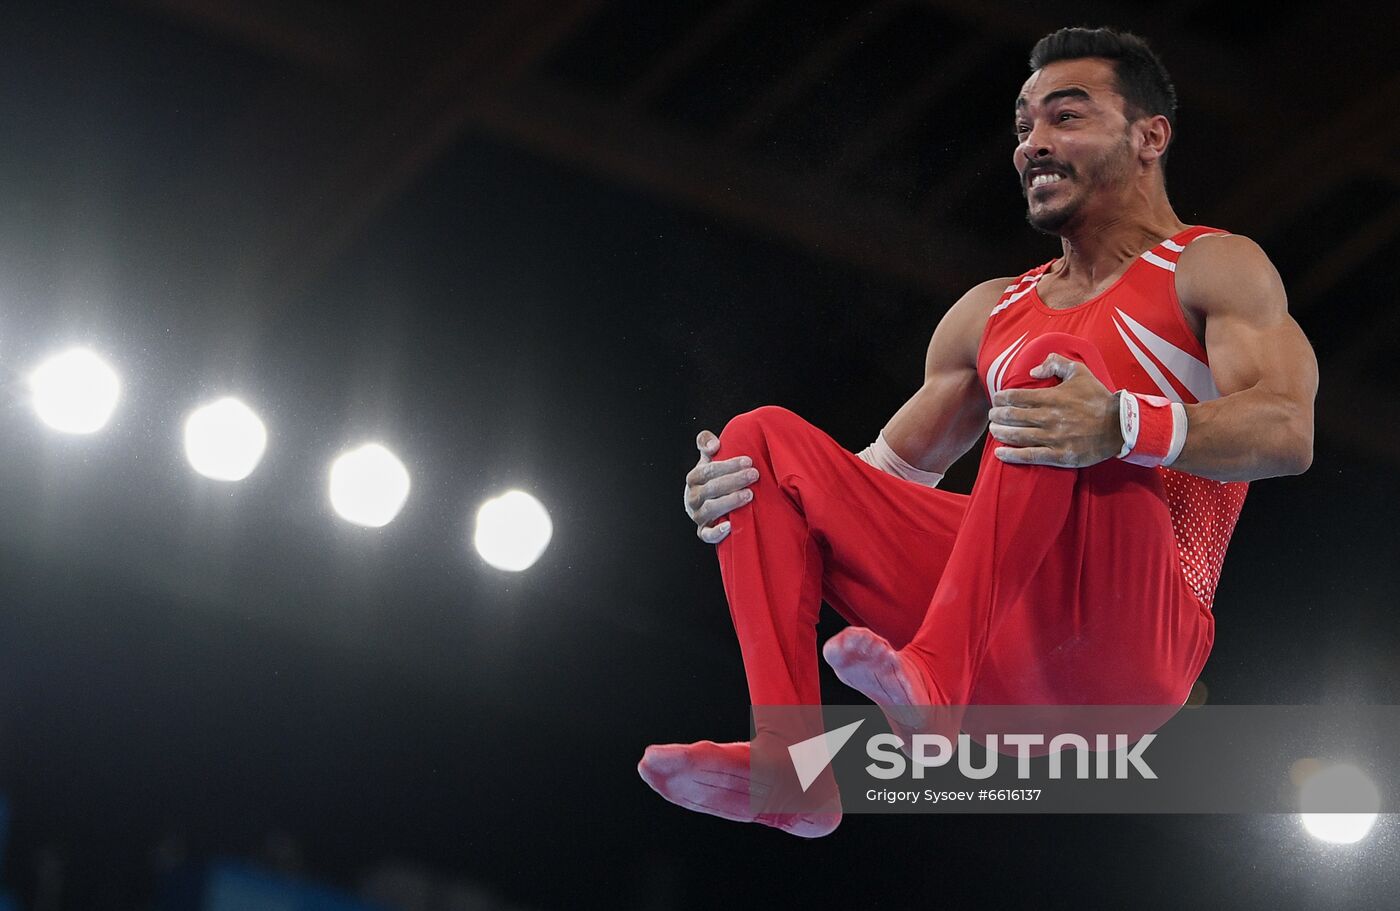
pixel 813 213
pixel 824 53
pixel 1212 74
pixel 714 27
pixel 1339 260
pixel 1322 158
pixel 325 44
pixel 340 191
pixel 901 112
pixel 331 155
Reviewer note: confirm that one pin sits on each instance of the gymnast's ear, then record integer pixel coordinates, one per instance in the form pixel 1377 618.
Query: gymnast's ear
pixel 1154 135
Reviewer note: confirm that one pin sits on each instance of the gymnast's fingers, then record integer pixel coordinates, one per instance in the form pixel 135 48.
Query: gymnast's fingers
pixel 715 534
pixel 736 478
pixel 1032 455
pixel 1016 436
pixel 716 507
pixel 1010 414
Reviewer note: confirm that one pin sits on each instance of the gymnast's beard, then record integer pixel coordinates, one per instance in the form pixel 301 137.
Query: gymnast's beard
pixel 1108 174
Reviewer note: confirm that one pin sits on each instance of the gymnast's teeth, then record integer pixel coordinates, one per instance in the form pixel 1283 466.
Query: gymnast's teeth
pixel 1041 180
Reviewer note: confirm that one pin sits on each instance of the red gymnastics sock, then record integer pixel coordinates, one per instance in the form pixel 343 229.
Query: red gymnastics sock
pixel 716 778
pixel 897 683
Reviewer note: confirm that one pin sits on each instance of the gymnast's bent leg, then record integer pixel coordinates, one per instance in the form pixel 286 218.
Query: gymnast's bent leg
pixel 822 524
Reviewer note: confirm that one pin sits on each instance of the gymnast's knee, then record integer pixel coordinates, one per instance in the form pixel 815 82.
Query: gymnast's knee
pixel 748 433
pixel 1035 351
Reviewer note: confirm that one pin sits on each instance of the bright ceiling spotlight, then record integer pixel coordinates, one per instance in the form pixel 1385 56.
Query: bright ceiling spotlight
pixel 512 531
pixel 368 485
pixel 75 391
pixel 1344 784
pixel 224 440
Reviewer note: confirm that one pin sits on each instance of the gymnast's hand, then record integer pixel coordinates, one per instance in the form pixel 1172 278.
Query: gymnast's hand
pixel 1071 424
pixel 713 489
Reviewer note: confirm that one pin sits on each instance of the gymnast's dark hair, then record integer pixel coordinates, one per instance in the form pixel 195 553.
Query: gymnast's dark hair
pixel 1142 80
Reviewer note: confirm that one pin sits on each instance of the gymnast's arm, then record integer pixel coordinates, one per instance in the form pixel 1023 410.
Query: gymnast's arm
pixel 947 415
pixel 1265 369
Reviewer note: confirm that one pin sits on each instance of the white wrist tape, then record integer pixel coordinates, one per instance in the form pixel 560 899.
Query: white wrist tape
pixel 879 455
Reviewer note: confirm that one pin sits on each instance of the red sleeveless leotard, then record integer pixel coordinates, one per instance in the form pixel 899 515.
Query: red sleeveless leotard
pixel 1139 327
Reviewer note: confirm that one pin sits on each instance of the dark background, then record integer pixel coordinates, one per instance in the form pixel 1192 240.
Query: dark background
pixel 542 244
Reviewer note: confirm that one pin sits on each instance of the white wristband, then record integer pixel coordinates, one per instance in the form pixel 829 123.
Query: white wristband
pixel 879 455
pixel 1127 421
pixel 1165 436
pixel 1178 433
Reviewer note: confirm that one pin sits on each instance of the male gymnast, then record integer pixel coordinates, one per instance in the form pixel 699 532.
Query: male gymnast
pixel 1136 384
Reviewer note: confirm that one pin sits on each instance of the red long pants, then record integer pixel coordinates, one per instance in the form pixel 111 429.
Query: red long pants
pixel 1044 586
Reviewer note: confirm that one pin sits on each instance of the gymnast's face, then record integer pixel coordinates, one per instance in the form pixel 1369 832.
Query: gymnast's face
pixel 1075 153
